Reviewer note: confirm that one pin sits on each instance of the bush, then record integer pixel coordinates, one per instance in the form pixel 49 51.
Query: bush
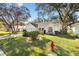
pixel 32 34
pixel 63 32
pixel 77 36
pixel 25 33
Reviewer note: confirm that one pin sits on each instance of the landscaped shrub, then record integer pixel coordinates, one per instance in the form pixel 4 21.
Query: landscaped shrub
pixel 77 36
pixel 25 33
pixel 63 32
pixel 33 34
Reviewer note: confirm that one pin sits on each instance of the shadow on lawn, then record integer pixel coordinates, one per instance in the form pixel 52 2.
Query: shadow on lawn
pixel 16 48
pixel 26 49
pixel 61 52
pixel 40 43
pixel 66 36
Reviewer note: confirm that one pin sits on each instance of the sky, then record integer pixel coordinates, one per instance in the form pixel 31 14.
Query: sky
pixel 31 7
pixel 33 12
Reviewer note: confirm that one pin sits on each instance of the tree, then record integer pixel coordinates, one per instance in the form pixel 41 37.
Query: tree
pixel 11 13
pixel 2 28
pixel 65 12
pixel 43 10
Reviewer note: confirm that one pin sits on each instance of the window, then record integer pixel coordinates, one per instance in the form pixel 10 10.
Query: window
pixel 41 29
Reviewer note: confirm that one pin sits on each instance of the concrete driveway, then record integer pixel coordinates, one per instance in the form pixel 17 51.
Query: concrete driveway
pixel 2 53
pixel 6 37
pixel 10 36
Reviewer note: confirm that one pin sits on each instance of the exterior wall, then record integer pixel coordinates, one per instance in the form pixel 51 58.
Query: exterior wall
pixel 30 27
pixel 75 28
pixel 56 26
pixel 20 28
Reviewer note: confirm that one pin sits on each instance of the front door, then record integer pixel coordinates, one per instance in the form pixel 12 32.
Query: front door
pixel 50 30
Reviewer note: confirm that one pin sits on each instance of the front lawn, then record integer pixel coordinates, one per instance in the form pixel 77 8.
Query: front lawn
pixel 64 45
pixel 20 47
pixel 2 33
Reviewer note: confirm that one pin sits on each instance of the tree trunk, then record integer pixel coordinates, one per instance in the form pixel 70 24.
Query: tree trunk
pixel 64 28
pixel 17 25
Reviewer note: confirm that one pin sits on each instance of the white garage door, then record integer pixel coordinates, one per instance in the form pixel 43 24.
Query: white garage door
pixel 77 30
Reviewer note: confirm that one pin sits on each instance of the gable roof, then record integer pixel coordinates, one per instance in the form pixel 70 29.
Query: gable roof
pixel 46 20
pixel 34 24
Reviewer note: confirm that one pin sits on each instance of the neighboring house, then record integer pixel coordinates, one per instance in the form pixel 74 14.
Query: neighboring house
pixel 75 28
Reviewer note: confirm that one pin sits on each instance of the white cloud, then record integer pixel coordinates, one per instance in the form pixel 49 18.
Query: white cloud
pixel 19 4
pixel 30 20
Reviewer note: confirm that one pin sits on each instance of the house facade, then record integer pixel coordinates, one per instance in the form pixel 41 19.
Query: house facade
pixel 20 27
pixel 31 27
pixel 75 28
pixel 47 26
pixel 50 27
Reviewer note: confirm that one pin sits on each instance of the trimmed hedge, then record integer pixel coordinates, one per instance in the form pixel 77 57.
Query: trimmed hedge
pixel 77 36
pixel 32 34
pixel 25 33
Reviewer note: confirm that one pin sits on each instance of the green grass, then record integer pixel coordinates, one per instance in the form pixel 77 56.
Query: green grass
pixel 4 33
pixel 20 33
pixel 67 45
pixel 20 47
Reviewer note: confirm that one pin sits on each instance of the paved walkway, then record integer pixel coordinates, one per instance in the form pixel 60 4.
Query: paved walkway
pixel 2 53
pixel 6 37
pixel 9 36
